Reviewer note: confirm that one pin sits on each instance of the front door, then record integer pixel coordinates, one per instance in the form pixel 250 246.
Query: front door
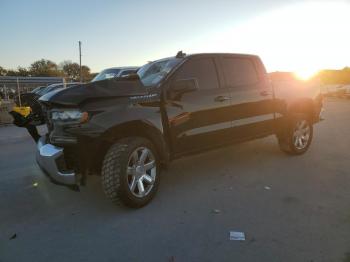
pixel 198 119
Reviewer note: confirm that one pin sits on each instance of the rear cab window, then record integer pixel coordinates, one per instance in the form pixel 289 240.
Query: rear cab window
pixel 239 72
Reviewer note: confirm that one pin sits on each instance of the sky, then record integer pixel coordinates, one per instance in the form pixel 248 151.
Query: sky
pixel 301 36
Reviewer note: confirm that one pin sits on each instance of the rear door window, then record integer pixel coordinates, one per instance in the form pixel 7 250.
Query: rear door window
pixel 239 71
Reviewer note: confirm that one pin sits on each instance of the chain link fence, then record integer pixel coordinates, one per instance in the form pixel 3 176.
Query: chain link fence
pixel 11 87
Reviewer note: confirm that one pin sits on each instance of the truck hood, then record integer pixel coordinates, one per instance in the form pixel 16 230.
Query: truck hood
pixel 73 96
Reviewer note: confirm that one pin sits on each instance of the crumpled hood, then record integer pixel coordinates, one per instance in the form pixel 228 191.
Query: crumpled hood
pixel 73 96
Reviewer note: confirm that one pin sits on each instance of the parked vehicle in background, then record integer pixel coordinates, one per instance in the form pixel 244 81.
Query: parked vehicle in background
pixel 334 90
pixel 127 129
pixel 8 93
pixel 53 87
pixel 346 93
pixel 115 72
pixel 341 91
pixel 28 111
pixel 37 89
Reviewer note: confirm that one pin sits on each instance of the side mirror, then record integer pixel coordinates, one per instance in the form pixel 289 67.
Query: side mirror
pixel 184 86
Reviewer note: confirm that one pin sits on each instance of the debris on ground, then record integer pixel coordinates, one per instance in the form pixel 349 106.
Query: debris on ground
pixel 267 188
pixel 35 184
pixel 216 211
pixel 13 236
pixel 237 236
pixel 252 240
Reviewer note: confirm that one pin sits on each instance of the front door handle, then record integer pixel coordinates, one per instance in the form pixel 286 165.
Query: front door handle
pixel 222 98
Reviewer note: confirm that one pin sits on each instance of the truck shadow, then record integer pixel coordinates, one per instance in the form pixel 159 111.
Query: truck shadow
pixel 204 168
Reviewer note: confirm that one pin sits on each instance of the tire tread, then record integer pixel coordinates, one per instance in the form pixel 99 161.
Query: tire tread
pixel 114 169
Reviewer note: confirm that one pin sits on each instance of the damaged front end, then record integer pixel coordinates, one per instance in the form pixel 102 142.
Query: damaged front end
pixel 62 155
pixel 51 160
pixel 72 149
pixel 68 164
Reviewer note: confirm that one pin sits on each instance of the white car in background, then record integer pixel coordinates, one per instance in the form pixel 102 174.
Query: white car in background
pixel 347 91
pixel 332 90
pixel 115 72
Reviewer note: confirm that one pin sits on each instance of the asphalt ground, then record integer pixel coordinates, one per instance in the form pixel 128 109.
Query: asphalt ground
pixel 290 208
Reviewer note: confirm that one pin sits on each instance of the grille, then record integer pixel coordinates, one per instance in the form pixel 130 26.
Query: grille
pixel 47 116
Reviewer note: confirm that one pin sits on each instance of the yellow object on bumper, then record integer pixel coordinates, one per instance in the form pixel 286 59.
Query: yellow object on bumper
pixel 23 110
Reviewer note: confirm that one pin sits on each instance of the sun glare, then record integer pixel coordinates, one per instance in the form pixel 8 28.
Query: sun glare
pixel 305 74
pixel 298 38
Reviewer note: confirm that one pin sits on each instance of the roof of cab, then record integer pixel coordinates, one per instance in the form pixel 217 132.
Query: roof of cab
pixel 222 54
pixel 123 68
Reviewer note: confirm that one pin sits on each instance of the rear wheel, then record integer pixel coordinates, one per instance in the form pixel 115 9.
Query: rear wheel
pixel 297 137
pixel 130 172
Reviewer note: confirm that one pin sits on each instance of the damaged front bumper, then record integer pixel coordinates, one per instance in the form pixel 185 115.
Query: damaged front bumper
pixel 50 158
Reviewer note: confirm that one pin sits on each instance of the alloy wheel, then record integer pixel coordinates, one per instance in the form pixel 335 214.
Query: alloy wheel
pixel 141 171
pixel 301 134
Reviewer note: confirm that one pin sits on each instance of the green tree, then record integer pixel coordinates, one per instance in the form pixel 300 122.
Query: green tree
pixel 44 67
pixel 3 71
pixel 86 75
pixel 11 72
pixel 335 76
pixel 21 71
pixel 70 70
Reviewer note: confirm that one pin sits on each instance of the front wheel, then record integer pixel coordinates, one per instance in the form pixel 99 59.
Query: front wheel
pixel 130 172
pixel 297 136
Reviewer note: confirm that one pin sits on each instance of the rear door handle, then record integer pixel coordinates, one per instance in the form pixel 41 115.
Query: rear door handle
pixel 222 98
pixel 264 93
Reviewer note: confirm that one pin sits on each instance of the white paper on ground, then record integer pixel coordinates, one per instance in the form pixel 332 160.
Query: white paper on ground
pixel 238 236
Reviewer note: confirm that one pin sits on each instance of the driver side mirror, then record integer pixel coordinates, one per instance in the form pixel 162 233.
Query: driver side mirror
pixel 182 86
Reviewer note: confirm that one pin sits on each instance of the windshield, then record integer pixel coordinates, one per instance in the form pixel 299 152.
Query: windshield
pixel 152 73
pixel 127 72
pixel 36 90
pixel 106 74
pixel 47 89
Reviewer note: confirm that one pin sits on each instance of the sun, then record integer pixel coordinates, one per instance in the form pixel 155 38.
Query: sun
pixel 305 74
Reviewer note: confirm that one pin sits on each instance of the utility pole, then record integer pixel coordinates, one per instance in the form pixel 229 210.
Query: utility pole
pixel 19 93
pixel 6 95
pixel 81 76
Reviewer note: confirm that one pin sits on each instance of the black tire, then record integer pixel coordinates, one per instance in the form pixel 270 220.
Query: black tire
pixel 114 172
pixel 286 139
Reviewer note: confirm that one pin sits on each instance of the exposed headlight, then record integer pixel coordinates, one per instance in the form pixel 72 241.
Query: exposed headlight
pixel 70 115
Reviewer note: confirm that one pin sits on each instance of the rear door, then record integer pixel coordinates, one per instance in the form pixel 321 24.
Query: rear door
pixel 198 119
pixel 252 108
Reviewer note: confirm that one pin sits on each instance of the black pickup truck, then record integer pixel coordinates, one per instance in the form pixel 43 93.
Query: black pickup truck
pixel 127 129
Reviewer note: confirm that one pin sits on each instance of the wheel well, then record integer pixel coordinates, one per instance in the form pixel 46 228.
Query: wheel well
pixel 303 106
pixel 140 129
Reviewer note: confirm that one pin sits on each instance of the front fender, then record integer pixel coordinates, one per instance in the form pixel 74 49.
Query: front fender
pixel 119 121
